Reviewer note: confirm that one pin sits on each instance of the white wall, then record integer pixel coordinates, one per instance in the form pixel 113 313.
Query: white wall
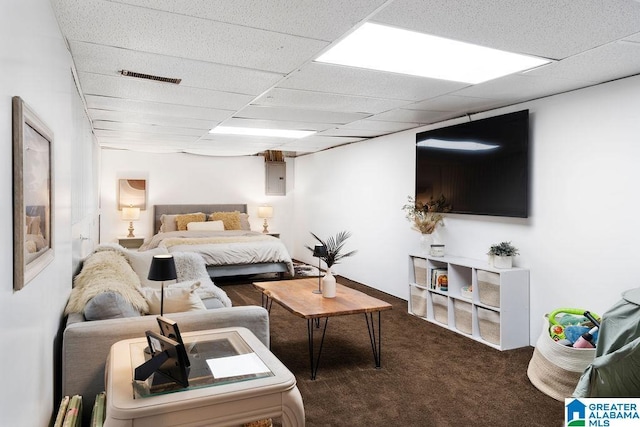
pixel 35 66
pixel 185 178
pixel 580 241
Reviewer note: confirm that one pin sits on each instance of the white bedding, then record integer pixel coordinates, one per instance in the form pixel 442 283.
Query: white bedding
pixel 231 247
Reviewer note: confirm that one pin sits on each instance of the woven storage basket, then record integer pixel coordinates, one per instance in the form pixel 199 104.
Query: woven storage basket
pixel 418 301
pixel 555 369
pixel 462 314
pixel 420 270
pixel 440 309
pixel 489 288
pixel 489 323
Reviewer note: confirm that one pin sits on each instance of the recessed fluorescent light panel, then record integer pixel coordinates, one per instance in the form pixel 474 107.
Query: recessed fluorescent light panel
pixel 277 133
pixel 395 50
pixel 457 145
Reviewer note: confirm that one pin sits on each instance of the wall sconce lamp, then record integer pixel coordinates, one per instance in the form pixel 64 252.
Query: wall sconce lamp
pixel 130 214
pixel 265 212
pixel 163 268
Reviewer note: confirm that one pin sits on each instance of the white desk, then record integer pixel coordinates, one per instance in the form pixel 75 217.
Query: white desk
pixel 227 403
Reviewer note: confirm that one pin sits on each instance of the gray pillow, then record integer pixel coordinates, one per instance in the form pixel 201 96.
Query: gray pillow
pixel 109 305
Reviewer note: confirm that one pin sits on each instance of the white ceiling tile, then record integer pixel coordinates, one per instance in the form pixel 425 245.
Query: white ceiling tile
pixel 151 129
pixel 276 124
pixel 142 137
pixel 359 82
pixel 320 19
pixel 414 116
pixel 144 90
pixel 315 143
pixel 174 34
pixel 108 60
pixel 379 126
pixel 151 119
pixel 520 87
pixel 608 62
pixel 288 114
pixel 326 101
pixel 174 111
pixel 353 133
pixel 454 103
pixel 543 27
pixel 242 139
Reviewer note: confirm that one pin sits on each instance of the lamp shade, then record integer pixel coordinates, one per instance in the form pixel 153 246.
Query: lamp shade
pixel 163 267
pixel 265 211
pixel 320 251
pixel 130 214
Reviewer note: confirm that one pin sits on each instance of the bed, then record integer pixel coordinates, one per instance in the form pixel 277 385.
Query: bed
pixel 236 252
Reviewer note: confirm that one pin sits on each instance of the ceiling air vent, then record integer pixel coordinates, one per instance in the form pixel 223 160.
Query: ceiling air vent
pixel 149 77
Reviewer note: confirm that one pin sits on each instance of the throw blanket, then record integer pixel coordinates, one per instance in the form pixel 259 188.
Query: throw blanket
pixel 105 271
pixel 174 241
pixel 190 267
pixel 231 247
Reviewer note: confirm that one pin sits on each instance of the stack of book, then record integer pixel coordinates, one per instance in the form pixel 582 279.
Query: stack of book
pixel 70 412
pixel 439 279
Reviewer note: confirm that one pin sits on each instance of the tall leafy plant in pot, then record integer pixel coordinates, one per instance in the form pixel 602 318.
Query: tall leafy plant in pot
pixel 335 253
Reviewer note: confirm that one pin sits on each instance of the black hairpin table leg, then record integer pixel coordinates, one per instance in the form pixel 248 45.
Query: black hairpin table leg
pixel 376 342
pixel 315 361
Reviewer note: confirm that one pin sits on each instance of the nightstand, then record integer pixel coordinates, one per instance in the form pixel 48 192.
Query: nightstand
pixel 131 242
pixel 273 234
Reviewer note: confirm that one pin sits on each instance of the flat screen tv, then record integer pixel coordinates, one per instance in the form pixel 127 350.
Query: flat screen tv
pixel 481 167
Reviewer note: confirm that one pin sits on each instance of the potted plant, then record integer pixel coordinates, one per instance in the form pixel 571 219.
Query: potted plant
pixel 502 254
pixel 334 253
pixel 426 216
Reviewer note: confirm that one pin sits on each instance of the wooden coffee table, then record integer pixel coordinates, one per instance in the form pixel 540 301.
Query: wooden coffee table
pixel 297 296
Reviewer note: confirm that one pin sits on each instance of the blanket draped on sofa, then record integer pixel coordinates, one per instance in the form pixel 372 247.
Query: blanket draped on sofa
pixel 106 271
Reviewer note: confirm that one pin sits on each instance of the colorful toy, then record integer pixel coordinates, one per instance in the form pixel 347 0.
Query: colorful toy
pixel 570 317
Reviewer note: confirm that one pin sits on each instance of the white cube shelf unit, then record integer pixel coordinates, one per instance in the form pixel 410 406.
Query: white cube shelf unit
pixel 498 318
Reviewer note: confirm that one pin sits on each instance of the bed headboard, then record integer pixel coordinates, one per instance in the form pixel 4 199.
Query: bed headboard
pixel 159 210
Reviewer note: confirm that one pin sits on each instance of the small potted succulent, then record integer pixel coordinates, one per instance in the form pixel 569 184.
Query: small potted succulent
pixel 502 254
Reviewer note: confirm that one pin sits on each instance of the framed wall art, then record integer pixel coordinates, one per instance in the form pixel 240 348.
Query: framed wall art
pixel 132 193
pixel 32 194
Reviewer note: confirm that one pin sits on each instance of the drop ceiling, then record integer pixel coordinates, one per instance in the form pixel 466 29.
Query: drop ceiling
pixel 251 63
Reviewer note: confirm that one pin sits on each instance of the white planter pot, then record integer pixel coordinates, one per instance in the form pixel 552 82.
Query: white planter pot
pixel 502 261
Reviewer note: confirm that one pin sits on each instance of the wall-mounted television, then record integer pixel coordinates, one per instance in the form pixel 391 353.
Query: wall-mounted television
pixel 481 167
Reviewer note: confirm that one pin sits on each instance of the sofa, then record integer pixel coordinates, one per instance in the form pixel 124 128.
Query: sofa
pixel 102 292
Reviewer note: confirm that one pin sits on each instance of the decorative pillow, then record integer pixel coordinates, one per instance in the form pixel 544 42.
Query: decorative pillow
pixel 183 220
pixel 206 226
pixel 231 220
pixel 168 223
pixel 109 305
pixel 176 300
pixel 141 263
pixel 244 222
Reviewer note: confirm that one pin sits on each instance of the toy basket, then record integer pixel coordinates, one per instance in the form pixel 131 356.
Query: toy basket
pixel 555 369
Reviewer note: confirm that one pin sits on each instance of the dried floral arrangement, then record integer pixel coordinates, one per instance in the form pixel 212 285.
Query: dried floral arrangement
pixel 426 216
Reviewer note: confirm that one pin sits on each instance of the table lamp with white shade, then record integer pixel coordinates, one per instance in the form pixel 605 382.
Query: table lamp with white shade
pixel 265 212
pixel 130 214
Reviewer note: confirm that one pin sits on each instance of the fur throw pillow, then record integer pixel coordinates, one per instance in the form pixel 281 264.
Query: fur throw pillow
pixel 104 271
pixel 191 266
